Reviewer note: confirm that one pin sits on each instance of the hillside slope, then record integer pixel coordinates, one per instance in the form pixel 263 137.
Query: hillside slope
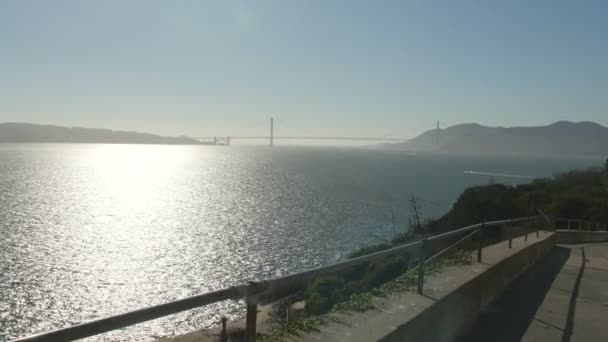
pixel 32 133
pixel 583 138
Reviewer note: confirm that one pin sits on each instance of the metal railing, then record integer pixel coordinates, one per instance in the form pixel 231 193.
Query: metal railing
pixel 265 292
pixel 571 224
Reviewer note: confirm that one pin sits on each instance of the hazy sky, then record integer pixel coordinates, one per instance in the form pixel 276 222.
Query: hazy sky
pixel 368 68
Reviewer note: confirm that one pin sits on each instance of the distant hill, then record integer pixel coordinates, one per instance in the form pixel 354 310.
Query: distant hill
pixel 31 133
pixel 563 137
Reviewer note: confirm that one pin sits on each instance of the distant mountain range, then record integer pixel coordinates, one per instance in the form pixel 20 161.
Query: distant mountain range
pixel 563 137
pixel 31 133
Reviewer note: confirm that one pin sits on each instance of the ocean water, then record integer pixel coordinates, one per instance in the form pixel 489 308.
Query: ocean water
pixel 88 231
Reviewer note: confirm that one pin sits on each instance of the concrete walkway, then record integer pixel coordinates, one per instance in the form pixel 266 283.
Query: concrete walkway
pixel 563 298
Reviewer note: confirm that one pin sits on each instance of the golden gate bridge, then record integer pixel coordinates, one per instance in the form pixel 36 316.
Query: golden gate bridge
pixel 226 140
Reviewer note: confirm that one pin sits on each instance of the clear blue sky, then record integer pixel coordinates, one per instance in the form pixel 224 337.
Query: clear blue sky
pixel 369 68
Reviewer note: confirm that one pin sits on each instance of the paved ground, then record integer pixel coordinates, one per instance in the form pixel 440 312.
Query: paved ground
pixel 563 298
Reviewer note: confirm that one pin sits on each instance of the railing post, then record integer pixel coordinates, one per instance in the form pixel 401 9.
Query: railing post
pixel 525 232
pixel 250 325
pixel 421 257
pixel 538 225
pixel 224 333
pixel 510 234
pixel 252 313
pixel 479 242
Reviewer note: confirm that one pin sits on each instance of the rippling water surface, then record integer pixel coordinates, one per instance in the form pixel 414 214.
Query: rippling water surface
pixel 88 231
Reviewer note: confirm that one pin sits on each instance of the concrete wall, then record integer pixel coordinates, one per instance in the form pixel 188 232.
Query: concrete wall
pixel 454 314
pixel 517 231
pixel 576 236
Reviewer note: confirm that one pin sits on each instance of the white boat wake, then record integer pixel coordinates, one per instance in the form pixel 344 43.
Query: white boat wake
pixel 493 174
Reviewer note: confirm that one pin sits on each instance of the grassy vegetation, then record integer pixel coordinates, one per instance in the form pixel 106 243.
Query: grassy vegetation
pixel 369 250
pixel 329 290
pixel 364 301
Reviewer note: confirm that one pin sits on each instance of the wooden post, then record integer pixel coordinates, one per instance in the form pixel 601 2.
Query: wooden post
pixel 224 333
pixel 421 258
pixel 526 232
pixel 250 325
pixel 510 235
pixel 479 242
pixel 252 312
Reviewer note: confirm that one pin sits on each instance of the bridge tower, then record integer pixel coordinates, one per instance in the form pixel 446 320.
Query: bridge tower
pixel 437 136
pixel 271 131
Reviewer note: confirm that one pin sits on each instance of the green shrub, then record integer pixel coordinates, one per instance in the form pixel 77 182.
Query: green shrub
pixel 369 250
pixel 317 304
pixel 580 194
pixel 328 290
pixel 402 238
